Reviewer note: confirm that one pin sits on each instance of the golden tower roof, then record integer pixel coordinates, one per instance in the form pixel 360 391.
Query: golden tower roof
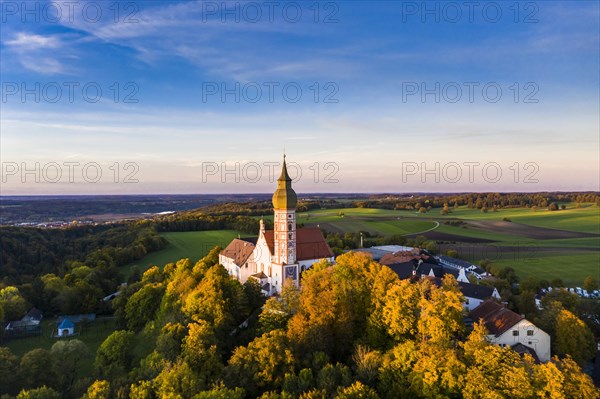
pixel 285 196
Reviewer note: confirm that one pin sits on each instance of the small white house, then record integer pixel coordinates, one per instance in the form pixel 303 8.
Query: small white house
pixel 66 328
pixel 507 328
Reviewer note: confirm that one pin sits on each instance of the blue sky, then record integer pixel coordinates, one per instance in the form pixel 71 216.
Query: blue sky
pixel 367 129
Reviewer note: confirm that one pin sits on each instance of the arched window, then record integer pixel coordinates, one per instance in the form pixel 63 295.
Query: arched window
pixel 289 226
pixel 291 236
pixel 270 270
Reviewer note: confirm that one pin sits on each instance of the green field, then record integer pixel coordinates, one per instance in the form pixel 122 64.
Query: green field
pixel 190 244
pixel 92 336
pixel 511 244
pixel 585 219
pixel 376 221
pixel 508 244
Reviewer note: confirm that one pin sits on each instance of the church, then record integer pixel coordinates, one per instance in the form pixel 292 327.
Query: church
pixel 280 254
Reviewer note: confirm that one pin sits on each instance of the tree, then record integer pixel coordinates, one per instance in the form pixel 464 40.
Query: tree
pixel 527 305
pixel 577 384
pixel 39 393
pixel 100 389
pixel 400 312
pixel 453 253
pixel 221 392
pixel 8 377
pixel 574 338
pixel 67 357
pixel 277 311
pixel 12 303
pixel 114 356
pixel 36 369
pixel 440 320
pixel 177 380
pixel 590 284
pixel 357 391
pixel 263 364
pixel 367 364
pixel 142 306
pixel 168 343
pixel 553 207
pixel 200 352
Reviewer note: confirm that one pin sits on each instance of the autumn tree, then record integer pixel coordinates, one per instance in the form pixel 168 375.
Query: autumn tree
pixel 401 310
pixel 574 338
pixel 100 389
pixel 440 319
pixel 262 364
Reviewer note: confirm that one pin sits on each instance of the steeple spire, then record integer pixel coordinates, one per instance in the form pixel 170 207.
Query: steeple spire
pixel 284 197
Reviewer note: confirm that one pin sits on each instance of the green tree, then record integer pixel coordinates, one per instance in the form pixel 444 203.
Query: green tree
pixel 142 306
pixel 201 353
pixel 169 341
pixel 36 369
pixel 590 284
pixel 177 380
pixel 113 358
pixel 263 364
pixel 221 392
pixel 574 338
pixel 8 378
pixel 12 303
pixel 39 393
pixel 67 357
pixel 527 305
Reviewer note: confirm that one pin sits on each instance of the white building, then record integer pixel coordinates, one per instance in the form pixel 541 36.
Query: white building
pixel 507 328
pixel 476 294
pixel 282 253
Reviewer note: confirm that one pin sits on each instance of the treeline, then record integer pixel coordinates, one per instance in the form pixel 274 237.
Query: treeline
pixel 200 220
pixel 27 253
pixel 476 200
pixel 354 330
pixel 67 270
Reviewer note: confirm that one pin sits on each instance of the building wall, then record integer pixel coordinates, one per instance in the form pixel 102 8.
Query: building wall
pixel 230 266
pixel 539 340
pixel 471 303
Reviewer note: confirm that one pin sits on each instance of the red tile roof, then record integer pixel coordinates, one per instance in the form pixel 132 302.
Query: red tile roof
pixel 238 250
pixel 310 244
pixel 496 318
pixel 401 257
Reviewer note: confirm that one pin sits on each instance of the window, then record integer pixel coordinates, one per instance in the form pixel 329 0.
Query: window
pixel 289 226
pixel 529 333
pixel 290 216
pixel 515 333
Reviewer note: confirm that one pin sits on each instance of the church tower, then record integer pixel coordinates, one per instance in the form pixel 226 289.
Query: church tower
pixel 284 206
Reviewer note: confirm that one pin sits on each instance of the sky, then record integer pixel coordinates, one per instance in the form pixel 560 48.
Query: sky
pixel 124 97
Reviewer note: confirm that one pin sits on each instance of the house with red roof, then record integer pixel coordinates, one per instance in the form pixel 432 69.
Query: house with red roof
pixel 507 328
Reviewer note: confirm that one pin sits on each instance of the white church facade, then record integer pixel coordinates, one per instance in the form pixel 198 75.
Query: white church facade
pixel 280 254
